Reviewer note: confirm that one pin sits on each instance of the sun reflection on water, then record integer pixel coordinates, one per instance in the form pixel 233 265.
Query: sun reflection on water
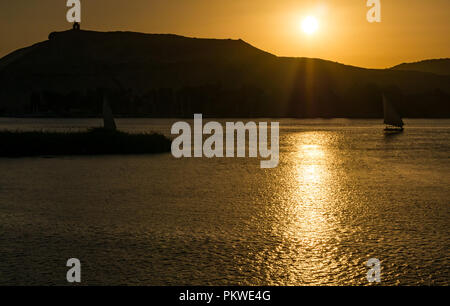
pixel 309 225
pixel 311 177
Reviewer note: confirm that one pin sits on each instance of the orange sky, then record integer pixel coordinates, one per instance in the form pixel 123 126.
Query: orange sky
pixel 410 30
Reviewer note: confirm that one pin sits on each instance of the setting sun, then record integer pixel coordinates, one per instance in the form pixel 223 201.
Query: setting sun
pixel 310 25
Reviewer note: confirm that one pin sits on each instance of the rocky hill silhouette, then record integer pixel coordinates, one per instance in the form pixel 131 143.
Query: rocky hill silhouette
pixel 436 66
pixel 163 75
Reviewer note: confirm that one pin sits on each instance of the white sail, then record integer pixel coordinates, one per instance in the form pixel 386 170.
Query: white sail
pixel 391 117
pixel 108 119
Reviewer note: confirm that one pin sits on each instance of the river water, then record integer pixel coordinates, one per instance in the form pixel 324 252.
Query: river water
pixel 344 192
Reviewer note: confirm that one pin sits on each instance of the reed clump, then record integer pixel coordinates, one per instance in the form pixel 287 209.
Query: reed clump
pixel 96 141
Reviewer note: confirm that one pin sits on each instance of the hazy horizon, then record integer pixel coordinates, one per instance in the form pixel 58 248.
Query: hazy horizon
pixel 410 31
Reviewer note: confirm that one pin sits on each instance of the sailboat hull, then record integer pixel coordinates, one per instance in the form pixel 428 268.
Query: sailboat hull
pixel 394 129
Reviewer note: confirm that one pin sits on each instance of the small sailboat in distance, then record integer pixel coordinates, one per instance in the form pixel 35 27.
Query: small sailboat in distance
pixel 391 118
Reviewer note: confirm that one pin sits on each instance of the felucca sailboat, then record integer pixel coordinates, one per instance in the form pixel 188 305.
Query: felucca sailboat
pixel 391 118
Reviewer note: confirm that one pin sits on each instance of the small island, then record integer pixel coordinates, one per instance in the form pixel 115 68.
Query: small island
pixel 95 141
pixel 104 140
